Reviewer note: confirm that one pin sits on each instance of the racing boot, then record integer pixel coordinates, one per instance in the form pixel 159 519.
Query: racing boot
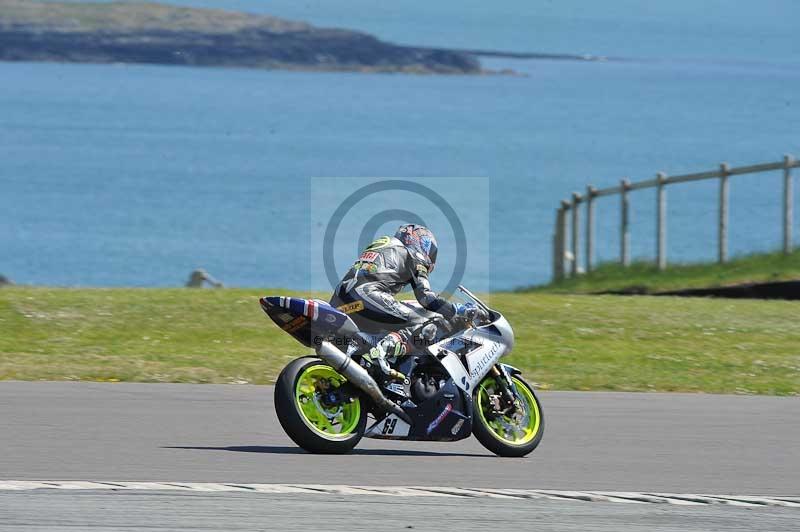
pixel 390 345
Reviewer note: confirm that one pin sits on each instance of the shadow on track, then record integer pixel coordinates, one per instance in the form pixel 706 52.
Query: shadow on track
pixel 278 449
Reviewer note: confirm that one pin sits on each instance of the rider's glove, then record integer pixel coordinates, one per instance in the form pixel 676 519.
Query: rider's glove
pixel 466 311
pixel 470 312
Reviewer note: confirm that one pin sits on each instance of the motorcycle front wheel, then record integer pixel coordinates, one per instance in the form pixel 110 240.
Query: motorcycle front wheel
pixel 305 402
pixel 511 435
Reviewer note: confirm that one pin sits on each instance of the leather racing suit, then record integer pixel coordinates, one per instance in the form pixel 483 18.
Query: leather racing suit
pixel 367 291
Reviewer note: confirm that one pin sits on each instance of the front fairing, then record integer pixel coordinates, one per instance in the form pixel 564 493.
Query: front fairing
pixel 471 353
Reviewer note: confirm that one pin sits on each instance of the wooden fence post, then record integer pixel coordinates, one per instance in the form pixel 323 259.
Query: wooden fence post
pixel 661 221
pixel 722 241
pixel 558 245
pixel 565 206
pixel 567 244
pixel 576 232
pixel 590 192
pixel 624 230
pixel 788 204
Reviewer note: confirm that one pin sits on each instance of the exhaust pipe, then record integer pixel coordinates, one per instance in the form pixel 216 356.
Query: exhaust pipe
pixel 359 377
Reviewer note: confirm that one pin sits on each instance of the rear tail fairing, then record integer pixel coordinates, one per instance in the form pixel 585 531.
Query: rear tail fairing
pixel 308 319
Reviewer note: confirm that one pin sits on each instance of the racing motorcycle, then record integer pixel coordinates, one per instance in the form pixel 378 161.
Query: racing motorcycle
pixel 448 387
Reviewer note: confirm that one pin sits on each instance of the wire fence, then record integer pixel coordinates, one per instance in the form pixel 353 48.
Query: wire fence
pixel 567 238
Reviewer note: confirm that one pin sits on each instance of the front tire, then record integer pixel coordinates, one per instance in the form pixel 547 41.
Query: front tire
pixel 308 420
pixel 512 436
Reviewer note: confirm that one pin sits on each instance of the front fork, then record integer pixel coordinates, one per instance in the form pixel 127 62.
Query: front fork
pixel 502 376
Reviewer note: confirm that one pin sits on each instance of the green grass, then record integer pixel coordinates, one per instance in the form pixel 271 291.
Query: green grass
pixel 644 277
pixel 567 342
pixel 136 16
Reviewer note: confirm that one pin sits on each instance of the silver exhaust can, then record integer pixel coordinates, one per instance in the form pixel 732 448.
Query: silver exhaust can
pixel 359 377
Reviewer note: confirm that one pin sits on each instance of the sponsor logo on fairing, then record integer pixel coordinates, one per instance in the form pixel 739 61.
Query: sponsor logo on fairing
pixel 489 356
pixel 457 427
pixel 438 421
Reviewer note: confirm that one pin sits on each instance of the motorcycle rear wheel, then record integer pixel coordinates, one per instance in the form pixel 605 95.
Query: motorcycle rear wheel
pixel 303 413
pixel 511 436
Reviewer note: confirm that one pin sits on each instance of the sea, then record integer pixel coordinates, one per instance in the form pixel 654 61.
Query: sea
pixel 135 175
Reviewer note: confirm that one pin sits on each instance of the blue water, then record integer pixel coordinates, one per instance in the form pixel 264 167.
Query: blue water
pixel 135 175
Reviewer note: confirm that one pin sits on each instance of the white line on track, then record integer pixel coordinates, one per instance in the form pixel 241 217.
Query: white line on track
pixel 411 491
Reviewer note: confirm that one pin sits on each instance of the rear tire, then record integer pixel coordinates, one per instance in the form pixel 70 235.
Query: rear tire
pixel 492 435
pixel 305 419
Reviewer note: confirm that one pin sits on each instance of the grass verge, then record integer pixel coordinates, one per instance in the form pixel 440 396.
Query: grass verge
pixel 645 277
pixel 567 342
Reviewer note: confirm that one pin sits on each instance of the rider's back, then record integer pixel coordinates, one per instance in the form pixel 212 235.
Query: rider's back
pixel 386 264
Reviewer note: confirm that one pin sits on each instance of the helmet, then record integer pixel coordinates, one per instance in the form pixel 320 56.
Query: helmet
pixel 420 241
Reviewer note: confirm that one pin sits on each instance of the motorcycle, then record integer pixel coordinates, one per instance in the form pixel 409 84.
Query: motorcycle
pixel 447 388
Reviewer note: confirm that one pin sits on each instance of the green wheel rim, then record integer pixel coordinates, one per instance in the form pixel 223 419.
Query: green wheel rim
pixel 517 429
pixel 333 423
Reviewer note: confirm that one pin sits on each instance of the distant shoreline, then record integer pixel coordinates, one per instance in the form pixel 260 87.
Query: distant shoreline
pixel 135 33
pixel 168 35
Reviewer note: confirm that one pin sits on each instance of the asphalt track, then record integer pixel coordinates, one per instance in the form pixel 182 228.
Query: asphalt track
pixel 226 433
pixel 163 512
pixel 675 443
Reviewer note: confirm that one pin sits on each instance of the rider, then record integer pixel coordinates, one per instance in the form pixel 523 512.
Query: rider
pixel 387 265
